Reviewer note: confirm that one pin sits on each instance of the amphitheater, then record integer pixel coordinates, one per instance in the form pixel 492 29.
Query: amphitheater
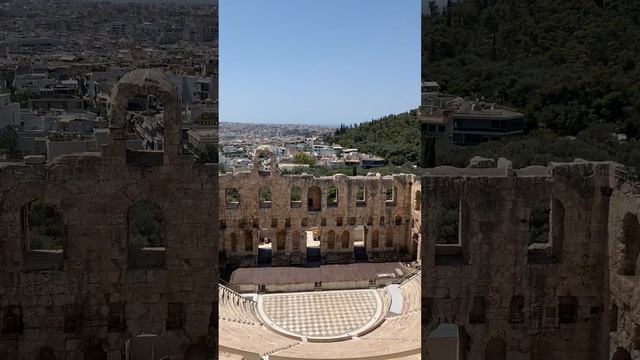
pixel 341 268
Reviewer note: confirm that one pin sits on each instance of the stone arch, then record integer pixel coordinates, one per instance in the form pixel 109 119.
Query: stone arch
pixel 248 241
pixel 143 345
pixel 631 241
pixel 95 352
pixel 232 197
pixel 344 239
pixel 46 353
pixel 281 240
pixel 375 238
pixel 621 354
pixel 146 234
pixel 331 239
pixel 541 348
pixel 496 349
pixel 314 198
pixel 196 352
pixel 234 242
pixel 147 82
pixel 264 197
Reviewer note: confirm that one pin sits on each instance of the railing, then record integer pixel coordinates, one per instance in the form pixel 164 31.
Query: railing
pixel 224 285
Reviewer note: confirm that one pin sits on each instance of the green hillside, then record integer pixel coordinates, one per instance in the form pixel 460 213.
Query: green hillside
pixel 394 137
pixel 566 64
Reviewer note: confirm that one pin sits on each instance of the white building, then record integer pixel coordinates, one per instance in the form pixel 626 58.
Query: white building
pixel 9 112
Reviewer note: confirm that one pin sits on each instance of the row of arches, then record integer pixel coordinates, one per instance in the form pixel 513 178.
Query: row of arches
pixel 246 241
pixel 140 347
pixel 314 197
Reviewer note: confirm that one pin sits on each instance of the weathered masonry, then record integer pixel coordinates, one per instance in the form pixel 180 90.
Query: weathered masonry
pixel 95 288
pixel 372 218
pixel 536 263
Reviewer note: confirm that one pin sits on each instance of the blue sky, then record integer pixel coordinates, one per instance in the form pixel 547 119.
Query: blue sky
pixel 321 62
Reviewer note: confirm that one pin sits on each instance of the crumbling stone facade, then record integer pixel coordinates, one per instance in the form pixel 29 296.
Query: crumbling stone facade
pixel 90 299
pixel 622 283
pixel 515 300
pixel 377 210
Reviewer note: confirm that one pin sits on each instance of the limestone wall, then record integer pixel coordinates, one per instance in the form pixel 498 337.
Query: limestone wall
pixel 527 302
pixel 87 302
pixel 623 287
pixel 385 226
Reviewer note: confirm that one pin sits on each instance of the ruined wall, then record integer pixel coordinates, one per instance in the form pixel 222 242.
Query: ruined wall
pixel 506 296
pixel 89 301
pixel 387 225
pixel 623 286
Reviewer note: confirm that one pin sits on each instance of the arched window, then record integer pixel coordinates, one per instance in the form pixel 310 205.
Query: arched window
pixel 631 242
pixel 248 241
pixel 147 234
pixel 264 198
pixel 417 200
pixel 375 239
pixel 314 196
pixel 332 196
pixel 232 197
pixel 331 239
pixel 234 242
pixel 496 349
pixel 344 239
pixel 389 239
pixel 296 197
pixel 281 239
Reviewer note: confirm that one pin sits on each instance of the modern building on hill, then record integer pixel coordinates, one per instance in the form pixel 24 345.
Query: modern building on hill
pixel 465 122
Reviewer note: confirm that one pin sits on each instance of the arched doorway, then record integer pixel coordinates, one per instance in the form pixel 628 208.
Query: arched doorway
pixel 541 349
pixel 314 196
pixel 496 349
pixel 196 352
pixel 621 354
pixel 147 347
pixel 95 353
pixel 46 353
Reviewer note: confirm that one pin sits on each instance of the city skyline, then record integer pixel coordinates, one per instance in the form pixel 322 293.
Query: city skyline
pixel 319 63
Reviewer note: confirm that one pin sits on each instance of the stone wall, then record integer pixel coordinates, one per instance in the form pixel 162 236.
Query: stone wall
pixel 507 297
pixel 386 226
pixel 622 288
pixel 87 302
